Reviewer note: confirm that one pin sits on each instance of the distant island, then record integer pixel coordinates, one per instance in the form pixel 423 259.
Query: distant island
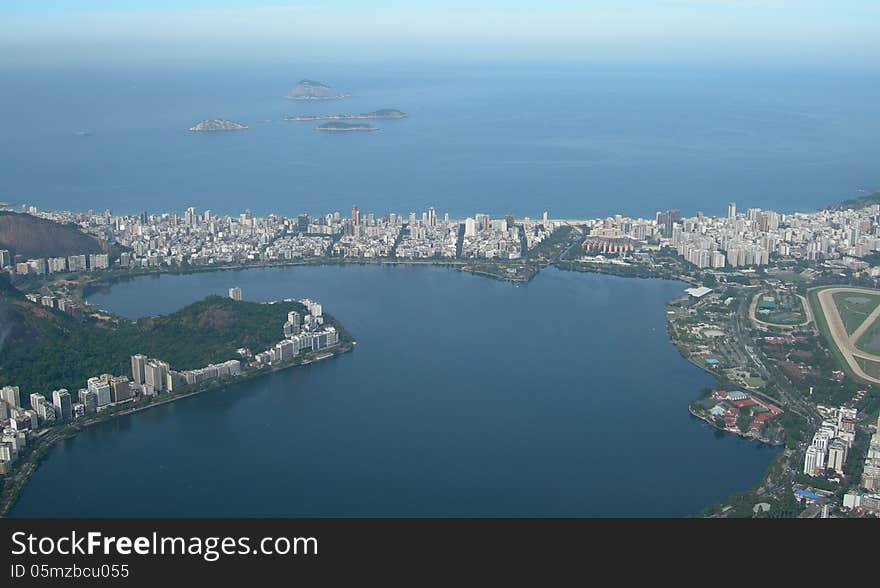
pixel 213 125
pixel 384 113
pixel 342 127
pixel 312 90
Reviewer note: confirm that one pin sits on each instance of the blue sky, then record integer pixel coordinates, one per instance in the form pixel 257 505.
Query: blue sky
pixel 753 31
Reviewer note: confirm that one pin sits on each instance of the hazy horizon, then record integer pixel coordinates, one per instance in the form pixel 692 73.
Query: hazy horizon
pixel 753 32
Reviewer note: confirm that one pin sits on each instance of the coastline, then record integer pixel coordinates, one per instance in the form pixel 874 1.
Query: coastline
pixel 91 284
pixel 15 483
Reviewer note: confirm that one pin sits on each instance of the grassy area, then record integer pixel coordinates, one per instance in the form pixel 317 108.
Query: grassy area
pixel 822 325
pixel 872 368
pixel 870 340
pixel 781 308
pixel 753 382
pixel 854 308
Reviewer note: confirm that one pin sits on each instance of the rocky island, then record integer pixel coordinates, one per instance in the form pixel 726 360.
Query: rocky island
pixel 382 114
pixel 343 127
pixel 312 90
pixel 213 125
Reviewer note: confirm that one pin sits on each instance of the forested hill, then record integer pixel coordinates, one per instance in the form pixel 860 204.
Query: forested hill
pixel 34 237
pixel 42 350
pixel 860 202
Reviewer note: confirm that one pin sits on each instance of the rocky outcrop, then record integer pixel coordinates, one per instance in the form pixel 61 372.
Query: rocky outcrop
pixel 213 125
pixel 312 90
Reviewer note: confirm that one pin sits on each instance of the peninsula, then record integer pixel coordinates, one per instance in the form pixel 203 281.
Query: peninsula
pixel 382 114
pixel 213 125
pixel 117 366
pixel 346 127
pixel 312 90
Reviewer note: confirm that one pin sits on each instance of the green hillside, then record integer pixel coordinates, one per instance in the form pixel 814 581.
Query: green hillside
pixel 34 237
pixel 42 350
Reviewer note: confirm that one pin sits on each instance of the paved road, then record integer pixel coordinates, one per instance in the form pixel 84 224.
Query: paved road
pixel 845 343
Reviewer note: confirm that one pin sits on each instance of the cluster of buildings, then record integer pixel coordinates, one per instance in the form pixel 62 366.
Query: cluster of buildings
pixel 831 443
pixel 306 332
pixel 61 303
pixel 486 238
pixel 203 238
pixel 149 377
pixel 731 404
pixel 749 239
pixel 868 501
pixel 198 238
pixel 21 425
pixel 53 265
pixel 427 237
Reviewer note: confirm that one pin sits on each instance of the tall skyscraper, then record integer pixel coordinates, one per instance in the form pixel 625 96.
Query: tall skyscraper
pixel 155 375
pixel 355 215
pixel 5 258
pixel 432 217
pixel 138 368
pixel 731 210
pixel 63 406
pixel 11 396
pixel 470 227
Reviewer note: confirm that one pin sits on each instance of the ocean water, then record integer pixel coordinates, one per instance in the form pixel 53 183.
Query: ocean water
pixel 578 140
pixel 464 396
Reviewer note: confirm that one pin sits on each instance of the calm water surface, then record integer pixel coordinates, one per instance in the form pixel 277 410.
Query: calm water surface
pixel 579 140
pixel 464 396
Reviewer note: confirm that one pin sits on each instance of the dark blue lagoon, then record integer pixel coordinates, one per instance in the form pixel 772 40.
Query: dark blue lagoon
pixel 464 396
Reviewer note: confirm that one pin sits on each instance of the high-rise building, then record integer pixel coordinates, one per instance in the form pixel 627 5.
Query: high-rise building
pixel 101 389
pixel 5 258
pixel 666 220
pixel 11 396
pixel 837 451
pixel 138 368
pixel 88 399
pixel 120 389
pixel 432 217
pixel 63 405
pixel 470 227
pixel 355 215
pixel 156 375
pixel 731 210
pixel 77 263
pixel 811 460
pixel 99 261
pixel 235 293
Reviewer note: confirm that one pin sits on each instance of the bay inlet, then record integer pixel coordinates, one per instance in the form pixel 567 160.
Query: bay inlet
pixel 465 396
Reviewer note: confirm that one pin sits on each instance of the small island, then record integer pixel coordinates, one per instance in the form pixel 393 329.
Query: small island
pixel 312 90
pixel 382 114
pixel 213 125
pixel 346 127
